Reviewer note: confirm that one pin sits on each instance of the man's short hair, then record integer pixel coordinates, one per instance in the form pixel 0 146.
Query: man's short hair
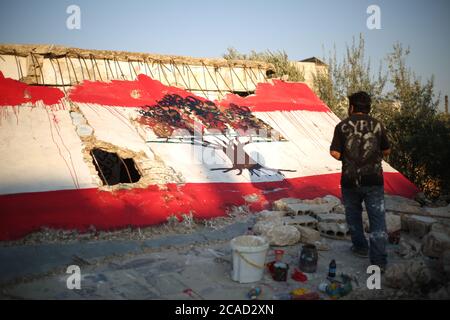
pixel 360 101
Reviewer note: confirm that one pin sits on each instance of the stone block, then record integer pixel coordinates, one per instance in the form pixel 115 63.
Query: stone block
pixel 436 241
pixel 282 235
pixel 400 204
pixel 333 230
pixel 308 235
pixel 308 206
pixel 269 215
pixel 306 221
pixel 393 222
pixel 280 205
pixel 331 217
pixel 417 226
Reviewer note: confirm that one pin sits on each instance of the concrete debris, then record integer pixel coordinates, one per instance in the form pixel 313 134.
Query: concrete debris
pixel 442 294
pixel 408 276
pixel 251 198
pixel 276 232
pixel 440 211
pixel 308 235
pixel 417 226
pixel 393 222
pixel 263 227
pixel 281 205
pixel 331 217
pixel 339 209
pixel 281 235
pixel 306 221
pixel 444 262
pixel 333 230
pixel 397 203
pixel 409 249
pixel 436 241
pixel 269 215
pixel 302 207
pixel 321 246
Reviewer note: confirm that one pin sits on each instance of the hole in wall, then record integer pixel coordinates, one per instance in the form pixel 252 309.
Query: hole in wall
pixel 112 169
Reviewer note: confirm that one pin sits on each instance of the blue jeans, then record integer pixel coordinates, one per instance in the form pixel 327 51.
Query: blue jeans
pixel 373 198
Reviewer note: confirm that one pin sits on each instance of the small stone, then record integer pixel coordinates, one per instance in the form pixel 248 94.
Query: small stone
pixel 251 198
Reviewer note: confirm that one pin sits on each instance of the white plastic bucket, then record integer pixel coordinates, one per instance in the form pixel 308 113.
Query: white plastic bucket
pixel 249 257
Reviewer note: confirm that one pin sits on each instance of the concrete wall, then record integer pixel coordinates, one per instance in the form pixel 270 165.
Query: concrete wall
pixel 310 69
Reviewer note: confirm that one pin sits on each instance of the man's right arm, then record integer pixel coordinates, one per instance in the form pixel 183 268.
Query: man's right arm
pixel 385 146
pixel 336 145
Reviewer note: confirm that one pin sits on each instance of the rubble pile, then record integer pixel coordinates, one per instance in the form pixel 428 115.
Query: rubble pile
pixel 310 218
pixel 425 247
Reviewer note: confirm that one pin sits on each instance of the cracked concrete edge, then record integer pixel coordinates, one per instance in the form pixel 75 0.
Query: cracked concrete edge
pixel 27 262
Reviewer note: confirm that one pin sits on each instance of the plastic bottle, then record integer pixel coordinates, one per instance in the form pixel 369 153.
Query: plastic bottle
pixel 332 269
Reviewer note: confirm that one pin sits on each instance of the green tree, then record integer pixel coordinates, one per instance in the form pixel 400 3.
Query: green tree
pixel 418 133
pixel 352 74
pixel 419 136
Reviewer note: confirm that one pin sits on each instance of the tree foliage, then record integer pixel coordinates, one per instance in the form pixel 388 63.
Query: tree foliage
pixel 418 134
pixel 279 59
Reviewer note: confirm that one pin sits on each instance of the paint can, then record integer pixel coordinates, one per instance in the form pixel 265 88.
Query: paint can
pixel 308 258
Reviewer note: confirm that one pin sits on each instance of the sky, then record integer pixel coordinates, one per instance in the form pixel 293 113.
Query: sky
pixel 206 28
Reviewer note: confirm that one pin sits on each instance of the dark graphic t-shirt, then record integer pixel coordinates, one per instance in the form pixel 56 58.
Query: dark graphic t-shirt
pixel 360 139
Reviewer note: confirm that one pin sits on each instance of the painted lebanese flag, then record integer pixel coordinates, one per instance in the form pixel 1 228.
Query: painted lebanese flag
pixel 195 156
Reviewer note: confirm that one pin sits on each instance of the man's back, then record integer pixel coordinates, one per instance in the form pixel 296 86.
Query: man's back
pixel 360 139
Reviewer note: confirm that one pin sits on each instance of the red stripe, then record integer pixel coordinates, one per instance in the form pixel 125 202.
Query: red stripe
pixel 78 209
pixel 122 93
pixel 14 93
pixel 276 96
pixel 279 96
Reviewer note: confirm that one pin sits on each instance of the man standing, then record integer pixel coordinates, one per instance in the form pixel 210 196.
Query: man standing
pixel 360 142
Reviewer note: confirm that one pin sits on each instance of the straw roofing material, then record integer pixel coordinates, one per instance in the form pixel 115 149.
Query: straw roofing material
pixel 56 51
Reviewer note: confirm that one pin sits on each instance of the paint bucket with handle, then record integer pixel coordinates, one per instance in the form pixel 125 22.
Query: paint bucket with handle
pixel 249 256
